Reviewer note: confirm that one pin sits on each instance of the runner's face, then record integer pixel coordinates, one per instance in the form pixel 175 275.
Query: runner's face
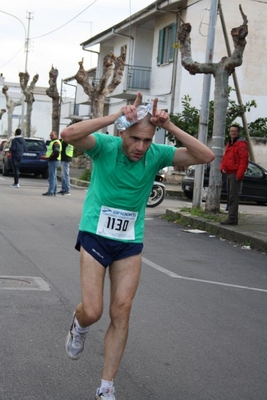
pixel 136 140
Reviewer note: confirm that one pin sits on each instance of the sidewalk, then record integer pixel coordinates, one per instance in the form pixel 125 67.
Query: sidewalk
pixel 251 231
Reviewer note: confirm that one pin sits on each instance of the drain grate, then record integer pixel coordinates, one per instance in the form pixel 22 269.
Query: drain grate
pixel 23 283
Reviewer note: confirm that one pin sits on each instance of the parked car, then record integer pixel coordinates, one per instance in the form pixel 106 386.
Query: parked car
pixel 33 161
pixel 2 142
pixel 254 184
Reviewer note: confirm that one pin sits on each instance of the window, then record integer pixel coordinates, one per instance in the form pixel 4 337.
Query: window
pixel 167 38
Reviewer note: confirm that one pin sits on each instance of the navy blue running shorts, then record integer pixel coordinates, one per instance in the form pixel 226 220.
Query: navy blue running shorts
pixel 105 250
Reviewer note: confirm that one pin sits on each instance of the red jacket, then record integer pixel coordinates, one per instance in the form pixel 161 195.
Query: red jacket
pixel 235 158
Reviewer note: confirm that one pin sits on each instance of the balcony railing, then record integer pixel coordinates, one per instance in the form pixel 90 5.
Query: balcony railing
pixel 138 77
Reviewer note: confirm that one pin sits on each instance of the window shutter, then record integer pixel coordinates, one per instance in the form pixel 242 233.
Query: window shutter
pixel 160 47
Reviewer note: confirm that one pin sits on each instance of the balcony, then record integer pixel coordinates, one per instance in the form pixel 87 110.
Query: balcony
pixel 138 78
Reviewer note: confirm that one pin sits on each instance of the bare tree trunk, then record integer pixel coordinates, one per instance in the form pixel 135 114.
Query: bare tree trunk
pixel 53 93
pixel 113 68
pixel 221 72
pixel 10 105
pixel 29 97
pixel 2 112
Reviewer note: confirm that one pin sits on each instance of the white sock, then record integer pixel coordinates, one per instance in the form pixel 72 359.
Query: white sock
pixel 106 384
pixel 79 328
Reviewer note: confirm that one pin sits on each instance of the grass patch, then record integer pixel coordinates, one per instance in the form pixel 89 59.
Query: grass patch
pixel 86 175
pixel 200 212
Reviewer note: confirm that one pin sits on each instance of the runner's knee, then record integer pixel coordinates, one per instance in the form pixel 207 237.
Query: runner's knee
pixel 92 313
pixel 121 311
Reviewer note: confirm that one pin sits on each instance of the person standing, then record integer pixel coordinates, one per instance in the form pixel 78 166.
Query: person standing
pixel 53 154
pixel 66 157
pixel 112 225
pixel 234 165
pixel 17 148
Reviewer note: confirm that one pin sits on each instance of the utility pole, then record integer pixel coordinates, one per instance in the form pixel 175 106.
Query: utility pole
pixel 204 112
pixel 27 42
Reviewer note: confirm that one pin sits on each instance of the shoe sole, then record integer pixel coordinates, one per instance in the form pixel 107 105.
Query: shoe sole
pixel 74 358
pixel 101 397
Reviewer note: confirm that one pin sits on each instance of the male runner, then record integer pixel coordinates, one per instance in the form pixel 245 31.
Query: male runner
pixel 112 224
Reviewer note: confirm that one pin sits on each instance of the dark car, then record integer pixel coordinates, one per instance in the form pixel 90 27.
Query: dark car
pixel 34 160
pixel 254 186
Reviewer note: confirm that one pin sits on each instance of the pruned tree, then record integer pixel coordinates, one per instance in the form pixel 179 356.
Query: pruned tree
pixel 29 97
pixel 2 112
pixel 97 91
pixel 10 105
pixel 53 93
pixel 221 72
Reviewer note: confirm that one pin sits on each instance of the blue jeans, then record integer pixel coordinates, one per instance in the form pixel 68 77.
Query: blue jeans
pixel 65 176
pixel 52 176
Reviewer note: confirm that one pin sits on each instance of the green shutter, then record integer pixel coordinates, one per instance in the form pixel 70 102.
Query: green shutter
pixel 160 47
pixel 172 41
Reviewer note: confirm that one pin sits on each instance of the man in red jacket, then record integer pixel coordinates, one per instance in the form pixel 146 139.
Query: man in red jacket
pixel 234 164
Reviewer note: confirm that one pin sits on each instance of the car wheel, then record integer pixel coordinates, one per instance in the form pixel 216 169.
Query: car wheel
pixel 45 175
pixel 5 171
pixel 189 195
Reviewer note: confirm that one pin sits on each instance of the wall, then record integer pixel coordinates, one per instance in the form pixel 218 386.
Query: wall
pixel 260 151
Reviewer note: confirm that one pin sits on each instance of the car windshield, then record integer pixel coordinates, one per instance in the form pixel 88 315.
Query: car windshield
pixel 192 168
pixel 35 145
pixel 253 171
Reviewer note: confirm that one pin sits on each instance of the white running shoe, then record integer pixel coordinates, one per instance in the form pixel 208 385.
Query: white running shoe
pixel 105 394
pixel 15 185
pixel 74 342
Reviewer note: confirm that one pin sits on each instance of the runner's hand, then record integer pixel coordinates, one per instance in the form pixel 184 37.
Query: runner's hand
pixel 159 118
pixel 130 110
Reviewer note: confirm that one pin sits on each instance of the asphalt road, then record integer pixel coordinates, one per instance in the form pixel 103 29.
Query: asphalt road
pixel 199 320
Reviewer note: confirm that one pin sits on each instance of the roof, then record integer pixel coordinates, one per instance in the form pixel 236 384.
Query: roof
pixel 152 9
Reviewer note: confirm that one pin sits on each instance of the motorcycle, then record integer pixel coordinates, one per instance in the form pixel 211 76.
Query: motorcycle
pixel 158 192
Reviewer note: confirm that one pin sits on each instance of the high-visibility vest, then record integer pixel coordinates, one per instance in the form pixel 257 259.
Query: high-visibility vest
pixel 49 150
pixel 69 150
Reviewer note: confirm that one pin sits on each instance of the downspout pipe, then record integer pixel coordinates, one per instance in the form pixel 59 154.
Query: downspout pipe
pixel 69 84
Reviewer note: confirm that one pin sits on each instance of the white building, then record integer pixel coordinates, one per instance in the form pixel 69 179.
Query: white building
pixel 153 61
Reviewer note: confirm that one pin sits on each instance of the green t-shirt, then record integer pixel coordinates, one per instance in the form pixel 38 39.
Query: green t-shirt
pixel 116 199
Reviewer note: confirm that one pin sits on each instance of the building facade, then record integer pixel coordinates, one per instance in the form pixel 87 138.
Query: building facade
pixel 153 61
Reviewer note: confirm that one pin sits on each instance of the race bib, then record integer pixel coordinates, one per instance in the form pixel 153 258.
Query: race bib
pixel 116 224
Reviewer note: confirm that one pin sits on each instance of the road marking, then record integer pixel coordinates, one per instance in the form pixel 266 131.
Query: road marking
pixel 23 283
pixel 173 275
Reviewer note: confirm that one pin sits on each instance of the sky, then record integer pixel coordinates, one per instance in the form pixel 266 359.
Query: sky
pixel 56 29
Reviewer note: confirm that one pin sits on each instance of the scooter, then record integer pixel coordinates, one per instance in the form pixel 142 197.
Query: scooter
pixel 158 192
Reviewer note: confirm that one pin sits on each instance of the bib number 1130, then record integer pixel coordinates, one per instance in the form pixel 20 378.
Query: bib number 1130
pixel 116 223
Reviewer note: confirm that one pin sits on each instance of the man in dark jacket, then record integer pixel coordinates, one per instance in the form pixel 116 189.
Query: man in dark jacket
pixel 17 148
pixel 234 164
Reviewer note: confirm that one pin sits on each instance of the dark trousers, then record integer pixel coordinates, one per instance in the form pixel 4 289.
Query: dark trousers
pixel 234 188
pixel 16 166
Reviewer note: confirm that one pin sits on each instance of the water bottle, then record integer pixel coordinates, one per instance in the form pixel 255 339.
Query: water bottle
pixel 122 123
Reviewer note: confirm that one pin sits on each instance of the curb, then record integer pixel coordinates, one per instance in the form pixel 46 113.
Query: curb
pixel 227 232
